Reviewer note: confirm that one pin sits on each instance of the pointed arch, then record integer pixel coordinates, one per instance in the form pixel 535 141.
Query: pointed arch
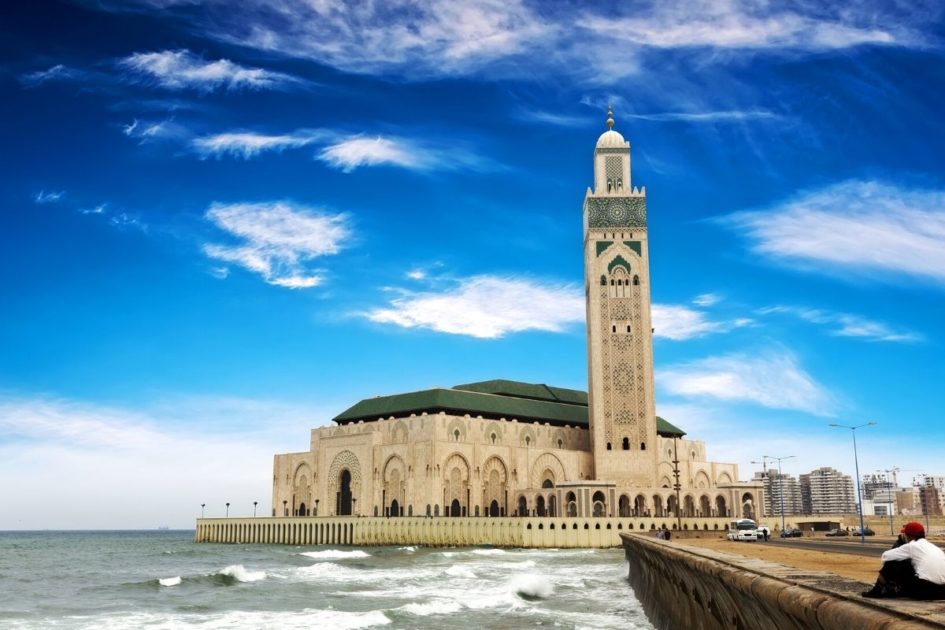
pixel 546 463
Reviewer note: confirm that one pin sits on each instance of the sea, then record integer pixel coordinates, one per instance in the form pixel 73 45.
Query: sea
pixel 162 579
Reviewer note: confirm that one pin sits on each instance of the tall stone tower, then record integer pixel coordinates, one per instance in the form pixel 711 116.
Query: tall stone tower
pixel 619 334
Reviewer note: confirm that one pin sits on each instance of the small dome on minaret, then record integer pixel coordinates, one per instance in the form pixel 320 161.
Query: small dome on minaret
pixel 611 139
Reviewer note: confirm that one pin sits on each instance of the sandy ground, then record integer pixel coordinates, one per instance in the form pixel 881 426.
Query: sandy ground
pixel 850 566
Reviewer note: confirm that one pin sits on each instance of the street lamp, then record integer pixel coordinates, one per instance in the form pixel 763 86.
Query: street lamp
pixel 924 497
pixel 889 489
pixel 676 486
pixel 228 510
pixel 780 483
pixel 856 463
pixel 254 508
pixel 202 506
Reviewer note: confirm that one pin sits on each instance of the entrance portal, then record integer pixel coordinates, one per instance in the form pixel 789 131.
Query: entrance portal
pixel 455 508
pixel 343 503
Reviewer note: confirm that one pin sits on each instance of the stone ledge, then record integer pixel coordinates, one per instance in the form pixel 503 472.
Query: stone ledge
pixel 690 587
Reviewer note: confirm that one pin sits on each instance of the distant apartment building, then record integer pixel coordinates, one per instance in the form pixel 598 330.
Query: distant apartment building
pixel 827 491
pixel 880 492
pixel 930 500
pixel 938 483
pixel 773 484
pixel 908 501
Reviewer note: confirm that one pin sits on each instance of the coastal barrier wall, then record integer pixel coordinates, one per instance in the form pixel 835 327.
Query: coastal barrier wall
pixel 690 587
pixel 560 532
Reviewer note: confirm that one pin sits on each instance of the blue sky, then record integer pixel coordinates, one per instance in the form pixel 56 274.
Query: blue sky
pixel 223 223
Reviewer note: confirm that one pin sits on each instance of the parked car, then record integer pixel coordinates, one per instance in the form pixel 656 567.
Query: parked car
pixel 838 532
pixel 866 531
pixel 791 532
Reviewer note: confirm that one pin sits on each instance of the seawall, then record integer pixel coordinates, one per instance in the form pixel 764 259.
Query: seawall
pixel 536 532
pixel 690 587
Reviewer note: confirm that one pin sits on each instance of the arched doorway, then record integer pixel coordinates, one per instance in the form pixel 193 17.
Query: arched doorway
pixel 394 508
pixel 600 504
pixel 522 506
pixel 571 503
pixel 343 500
pixel 705 506
pixel 623 508
pixel 455 508
pixel 720 506
pixel 639 505
pixel 689 506
pixel 672 507
pixel 748 506
pixel 494 508
pixel 302 510
pixel 658 505
pixel 540 506
pixel 552 506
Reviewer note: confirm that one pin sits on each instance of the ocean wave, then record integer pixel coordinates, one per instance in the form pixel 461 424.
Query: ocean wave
pixel 300 620
pixel 409 549
pixel 239 573
pixel 489 552
pixel 434 607
pixel 458 570
pixel 335 554
pixel 171 581
pixel 531 586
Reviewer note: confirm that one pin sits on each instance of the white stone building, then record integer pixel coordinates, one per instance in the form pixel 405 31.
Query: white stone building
pixel 504 448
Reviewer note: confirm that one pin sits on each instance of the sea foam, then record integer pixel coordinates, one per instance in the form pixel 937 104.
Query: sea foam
pixel 435 607
pixel 335 554
pixel 488 552
pixel 171 581
pixel 531 586
pixel 239 573
pixel 458 570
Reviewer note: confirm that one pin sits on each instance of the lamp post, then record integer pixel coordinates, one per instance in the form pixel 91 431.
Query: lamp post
pixel 254 508
pixel 228 510
pixel 856 463
pixel 924 496
pixel 780 483
pixel 676 486
pixel 202 506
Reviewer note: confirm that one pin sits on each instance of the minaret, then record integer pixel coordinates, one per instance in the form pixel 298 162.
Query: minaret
pixel 619 335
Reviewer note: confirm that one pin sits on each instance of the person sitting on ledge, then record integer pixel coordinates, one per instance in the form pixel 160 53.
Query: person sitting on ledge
pixel 914 567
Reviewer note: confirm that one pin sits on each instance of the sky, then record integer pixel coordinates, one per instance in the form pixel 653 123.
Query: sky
pixel 223 223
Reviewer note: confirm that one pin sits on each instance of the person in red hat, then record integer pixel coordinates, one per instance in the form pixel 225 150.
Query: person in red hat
pixel 914 567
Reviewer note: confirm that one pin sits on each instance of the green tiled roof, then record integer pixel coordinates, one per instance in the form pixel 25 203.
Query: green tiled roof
pixel 528 402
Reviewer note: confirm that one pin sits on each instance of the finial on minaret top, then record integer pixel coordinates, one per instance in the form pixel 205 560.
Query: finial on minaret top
pixel 610 117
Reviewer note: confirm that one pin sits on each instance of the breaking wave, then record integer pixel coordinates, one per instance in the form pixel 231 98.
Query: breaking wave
pixel 335 554
pixel 171 581
pixel 531 586
pixel 435 607
pixel 239 573
pixel 458 570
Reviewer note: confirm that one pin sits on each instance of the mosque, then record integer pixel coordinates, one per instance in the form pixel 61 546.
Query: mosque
pixel 505 448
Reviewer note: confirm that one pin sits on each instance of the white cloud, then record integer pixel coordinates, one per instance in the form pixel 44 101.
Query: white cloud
pixel 737 25
pixel 357 151
pixel 679 322
pixel 707 299
pixel 854 227
pixel 278 239
pixel 146 131
pixel 51 196
pixel 522 39
pixel 417 274
pixel 180 69
pixel 487 307
pixel 845 324
pixel 714 116
pixel 165 461
pixel 56 73
pixel 99 209
pixel 770 379
pixel 248 144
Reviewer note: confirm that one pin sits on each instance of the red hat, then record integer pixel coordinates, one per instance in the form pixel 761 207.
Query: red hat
pixel 914 530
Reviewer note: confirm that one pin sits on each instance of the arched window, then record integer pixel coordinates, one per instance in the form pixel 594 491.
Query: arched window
pixel 560 443
pixel 614 328
pixel 493 438
pixel 608 446
pixel 456 435
pixel 642 446
pixel 628 327
pixel 603 281
pixel 626 444
pixel 528 440
pixel 636 281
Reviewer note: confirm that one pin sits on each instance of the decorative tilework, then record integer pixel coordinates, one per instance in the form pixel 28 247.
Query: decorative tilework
pixel 635 246
pixel 616 212
pixel 602 246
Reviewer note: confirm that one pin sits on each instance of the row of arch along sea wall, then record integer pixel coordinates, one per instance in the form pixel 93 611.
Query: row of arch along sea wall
pixel 692 587
pixel 560 532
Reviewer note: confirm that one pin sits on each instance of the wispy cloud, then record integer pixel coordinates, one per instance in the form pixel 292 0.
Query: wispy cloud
pixel 707 299
pixel 147 131
pixel 522 39
pixel 59 72
pixel 357 151
pixel 99 209
pixel 181 69
pixel 854 227
pixel 51 196
pixel 770 379
pixel 248 144
pixel 278 239
pixel 487 307
pixel 710 117
pixel 741 25
pixel 845 324
pixel 678 322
